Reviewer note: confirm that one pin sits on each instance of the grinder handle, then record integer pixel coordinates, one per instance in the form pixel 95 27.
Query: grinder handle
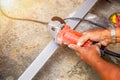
pixel 69 36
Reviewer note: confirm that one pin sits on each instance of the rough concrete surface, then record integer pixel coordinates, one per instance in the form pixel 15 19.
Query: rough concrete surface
pixel 21 41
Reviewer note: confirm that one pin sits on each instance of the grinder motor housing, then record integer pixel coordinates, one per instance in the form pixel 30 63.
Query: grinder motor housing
pixel 63 34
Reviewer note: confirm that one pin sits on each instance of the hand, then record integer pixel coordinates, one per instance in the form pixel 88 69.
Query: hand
pixel 101 36
pixel 88 55
pixel 91 56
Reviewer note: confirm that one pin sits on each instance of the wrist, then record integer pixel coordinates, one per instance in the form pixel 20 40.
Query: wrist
pixel 116 35
pixel 94 60
pixel 113 33
pixel 109 37
pixel 106 36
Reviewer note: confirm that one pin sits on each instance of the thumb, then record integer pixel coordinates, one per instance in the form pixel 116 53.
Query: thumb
pixel 82 40
pixel 74 47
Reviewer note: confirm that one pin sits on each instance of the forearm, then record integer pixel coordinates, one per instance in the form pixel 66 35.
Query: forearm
pixel 106 70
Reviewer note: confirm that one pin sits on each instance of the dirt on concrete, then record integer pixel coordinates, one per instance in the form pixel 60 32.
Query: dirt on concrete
pixel 22 41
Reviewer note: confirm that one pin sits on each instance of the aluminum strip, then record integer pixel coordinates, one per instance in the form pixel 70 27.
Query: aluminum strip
pixel 81 12
pixel 42 58
pixel 37 64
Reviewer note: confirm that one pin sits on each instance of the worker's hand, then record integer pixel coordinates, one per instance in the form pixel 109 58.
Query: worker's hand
pixel 88 55
pixel 101 36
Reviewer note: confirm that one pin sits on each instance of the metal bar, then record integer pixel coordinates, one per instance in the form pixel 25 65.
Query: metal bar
pixel 42 58
pixel 81 12
pixel 39 61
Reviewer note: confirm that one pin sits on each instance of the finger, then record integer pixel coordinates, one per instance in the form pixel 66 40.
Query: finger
pixel 98 44
pixel 74 47
pixel 103 43
pixel 96 47
pixel 82 40
pixel 78 54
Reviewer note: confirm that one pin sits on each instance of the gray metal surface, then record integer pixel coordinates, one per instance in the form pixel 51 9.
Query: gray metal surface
pixel 81 12
pixel 37 64
pixel 42 58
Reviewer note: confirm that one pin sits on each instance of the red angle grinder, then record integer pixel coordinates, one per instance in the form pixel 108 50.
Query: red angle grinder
pixel 63 34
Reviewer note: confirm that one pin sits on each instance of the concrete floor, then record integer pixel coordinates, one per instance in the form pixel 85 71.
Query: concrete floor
pixel 21 42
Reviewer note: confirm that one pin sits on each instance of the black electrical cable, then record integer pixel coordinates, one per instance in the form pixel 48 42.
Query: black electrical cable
pixel 45 23
pixel 91 22
pixel 111 53
pixel 106 51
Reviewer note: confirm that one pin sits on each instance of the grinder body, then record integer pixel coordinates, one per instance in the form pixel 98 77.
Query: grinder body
pixel 68 36
pixel 63 34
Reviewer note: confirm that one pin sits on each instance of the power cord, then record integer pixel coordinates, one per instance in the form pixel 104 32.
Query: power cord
pixel 45 23
pixel 22 19
pixel 91 22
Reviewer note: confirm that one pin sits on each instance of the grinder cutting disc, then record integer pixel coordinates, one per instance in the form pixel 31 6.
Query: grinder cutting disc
pixel 56 18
